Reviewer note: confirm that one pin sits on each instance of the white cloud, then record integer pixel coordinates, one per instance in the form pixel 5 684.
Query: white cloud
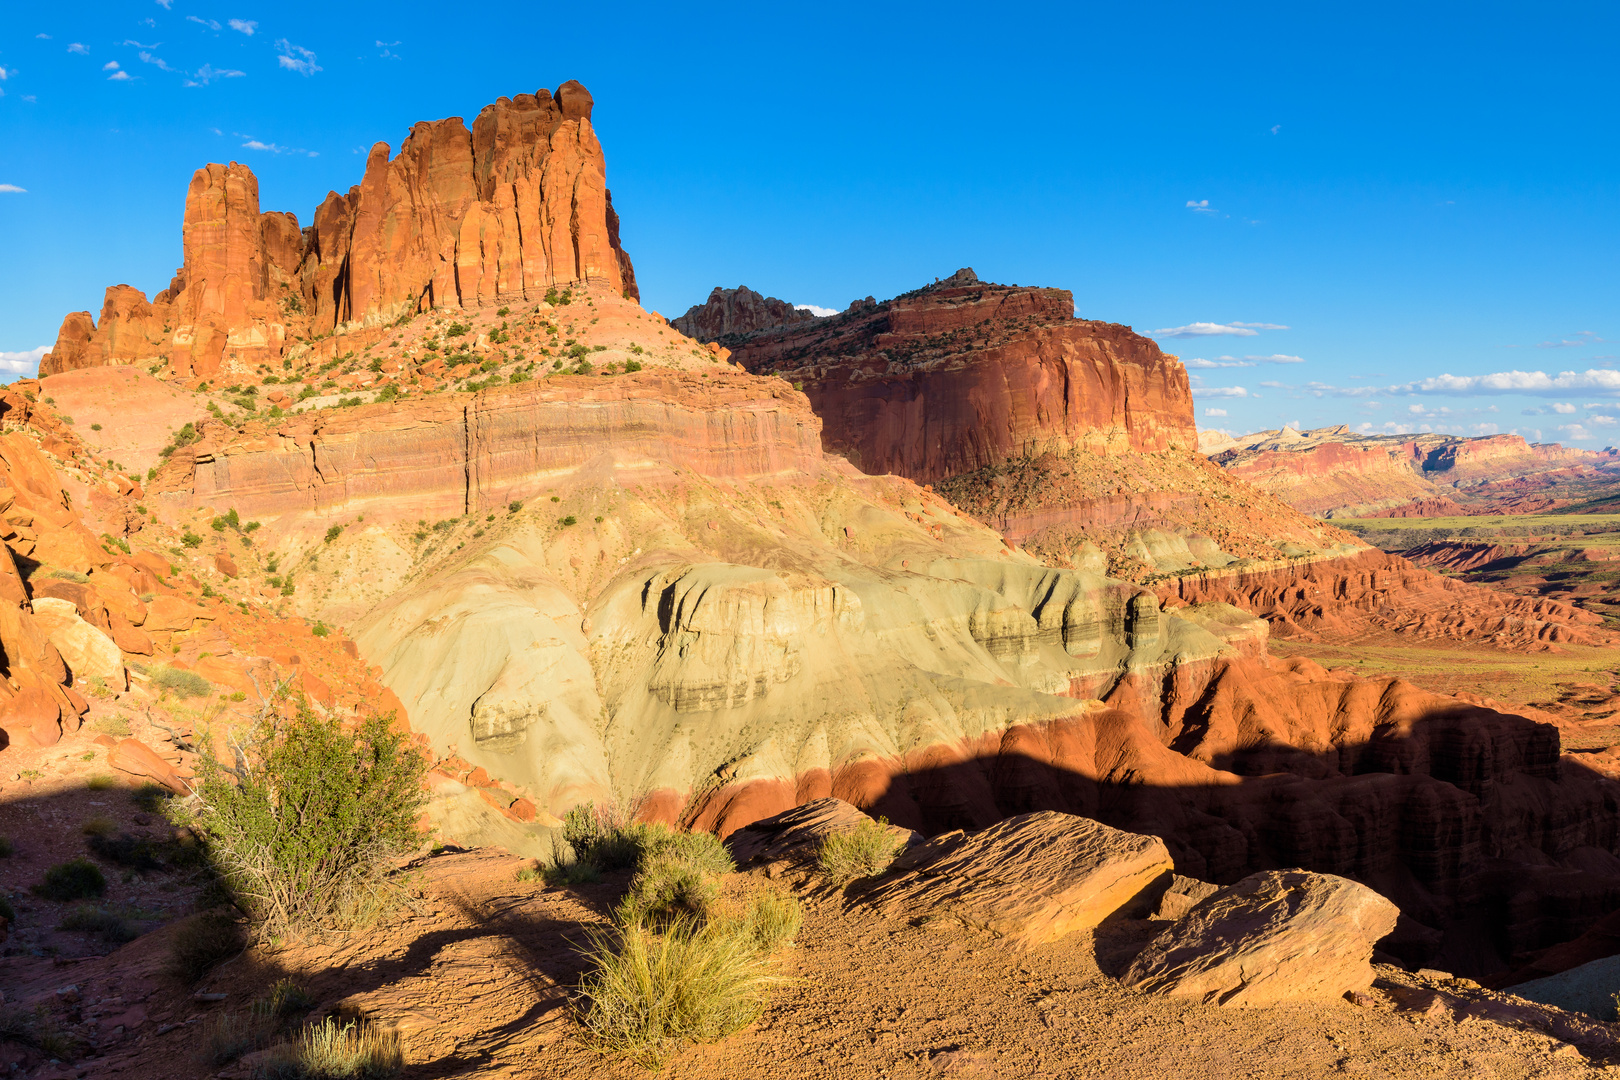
pixel 1200 207
pixel 1292 424
pixel 296 58
pixel 43 37
pixel 118 76
pixel 111 65
pixel 77 48
pixel 1224 362
pixel 138 45
pixel 243 26
pixel 1563 407
pixel 272 148
pixel 1585 337
pixel 387 50
pixel 1277 358
pixel 1212 411
pixel 22 363
pixel 1210 329
pixel 821 312
pixel 165 4
pixel 13 189
pixel 1221 391
pixel 1601 421
pixel 1529 383
pixel 155 61
pixel 1574 431
pixel 4 74
pixel 30 98
pixel 1276 128
pixel 210 23
pixel 208 73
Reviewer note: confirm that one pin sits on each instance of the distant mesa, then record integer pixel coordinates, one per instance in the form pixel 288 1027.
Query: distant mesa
pixel 457 219
pixel 1334 472
pixel 733 314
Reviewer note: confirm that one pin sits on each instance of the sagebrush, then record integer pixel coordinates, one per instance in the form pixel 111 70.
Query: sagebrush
pixel 305 834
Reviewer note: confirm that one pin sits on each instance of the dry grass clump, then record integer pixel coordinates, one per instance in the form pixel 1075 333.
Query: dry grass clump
pixel 228 1036
pixel 860 852
pixel 683 965
pixel 336 1050
pixel 649 993
pixel 38 1030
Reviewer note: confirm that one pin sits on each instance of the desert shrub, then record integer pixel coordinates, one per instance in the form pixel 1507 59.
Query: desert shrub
pixel 603 836
pixel 703 851
pixel 773 920
pixel 230 1035
pixel 306 834
pixel 126 849
pixel 77 879
pixel 36 1029
pixel 7 912
pixel 185 684
pixel 334 1049
pixel 860 852
pixel 649 993
pixel 150 797
pixel 101 782
pixel 70 575
pixel 99 826
pixel 197 944
pixel 333 533
pixel 112 926
pixel 668 889
pixel 6 847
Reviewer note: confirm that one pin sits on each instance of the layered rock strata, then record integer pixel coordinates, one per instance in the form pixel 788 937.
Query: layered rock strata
pixel 1332 472
pixel 961 375
pixel 458 218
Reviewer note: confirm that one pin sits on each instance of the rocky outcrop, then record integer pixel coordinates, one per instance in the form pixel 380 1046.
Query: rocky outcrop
pixel 1027 880
pixel 1279 936
pixel 459 218
pixel 958 376
pixel 730 315
pixel 794 837
pixel 1332 472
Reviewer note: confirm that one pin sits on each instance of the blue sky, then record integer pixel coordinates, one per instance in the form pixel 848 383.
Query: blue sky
pixel 1400 216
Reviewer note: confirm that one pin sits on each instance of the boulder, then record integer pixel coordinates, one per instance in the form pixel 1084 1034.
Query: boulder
pixel 1279 935
pixel 170 613
pixel 794 835
pixel 1182 896
pixel 1029 879
pixel 33 713
pixel 89 653
pixel 134 758
pixel 127 637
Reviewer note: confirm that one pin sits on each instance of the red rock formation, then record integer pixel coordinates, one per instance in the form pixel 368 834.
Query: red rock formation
pixel 1347 596
pixel 731 314
pixel 458 218
pixel 460 453
pixel 960 376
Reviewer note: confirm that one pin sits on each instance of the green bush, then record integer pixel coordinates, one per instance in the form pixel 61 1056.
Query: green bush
pixel 6 847
pixel 306 836
pixel 863 851
pixel 183 683
pixel 603 837
pixel 78 879
pixel 333 533
pixel 774 919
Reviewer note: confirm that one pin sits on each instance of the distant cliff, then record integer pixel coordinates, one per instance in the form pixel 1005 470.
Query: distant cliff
pixel 962 375
pixel 732 314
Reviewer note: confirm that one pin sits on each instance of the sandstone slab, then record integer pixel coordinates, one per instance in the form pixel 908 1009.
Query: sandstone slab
pixel 89 653
pixel 1029 879
pixel 134 758
pixel 1275 936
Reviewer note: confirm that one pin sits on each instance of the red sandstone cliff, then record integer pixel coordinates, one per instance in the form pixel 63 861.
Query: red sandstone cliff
pixel 956 377
pixel 457 219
